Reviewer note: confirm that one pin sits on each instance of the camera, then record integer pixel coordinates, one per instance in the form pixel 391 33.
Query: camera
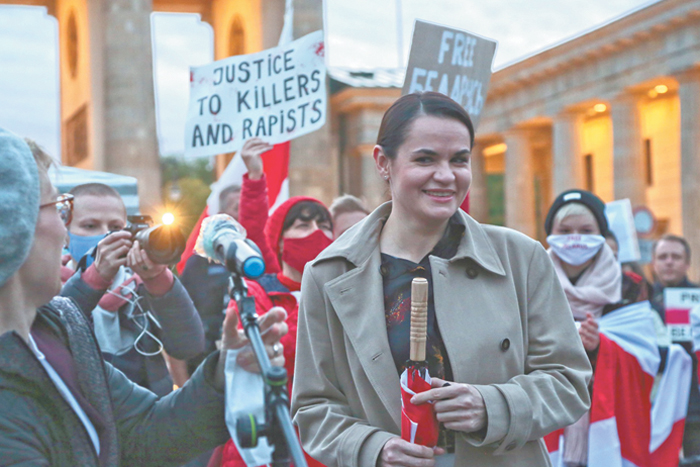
pixel 164 244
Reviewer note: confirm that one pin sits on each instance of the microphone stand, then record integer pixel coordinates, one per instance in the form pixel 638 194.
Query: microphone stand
pixel 277 426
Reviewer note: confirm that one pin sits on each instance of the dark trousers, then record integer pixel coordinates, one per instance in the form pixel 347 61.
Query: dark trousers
pixel 691 445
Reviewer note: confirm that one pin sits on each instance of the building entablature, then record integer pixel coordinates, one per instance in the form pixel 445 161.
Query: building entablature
pixel 656 42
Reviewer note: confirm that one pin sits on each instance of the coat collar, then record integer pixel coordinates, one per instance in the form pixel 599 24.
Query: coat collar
pixel 358 243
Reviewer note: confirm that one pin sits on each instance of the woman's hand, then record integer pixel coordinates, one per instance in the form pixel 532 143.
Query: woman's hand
pixel 590 336
pixel 251 152
pixel 460 407
pixel 399 453
pixel 272 328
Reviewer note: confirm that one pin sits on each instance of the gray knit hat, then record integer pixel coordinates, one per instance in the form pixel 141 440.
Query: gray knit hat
pixel 19 202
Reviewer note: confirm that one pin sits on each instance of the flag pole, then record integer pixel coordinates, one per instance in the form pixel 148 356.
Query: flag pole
pixel 399 32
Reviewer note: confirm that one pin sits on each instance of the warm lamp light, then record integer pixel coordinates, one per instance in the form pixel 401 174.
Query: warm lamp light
pixel 600 108
pixel 495 149
pixel 661 88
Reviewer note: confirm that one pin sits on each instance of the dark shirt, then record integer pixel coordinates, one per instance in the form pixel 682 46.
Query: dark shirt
pixel 398 274
pixel 207 285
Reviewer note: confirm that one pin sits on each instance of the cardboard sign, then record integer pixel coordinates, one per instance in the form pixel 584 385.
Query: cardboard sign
pixel 678 303
pixel 621 223
pixel 452 62
pixel 277 95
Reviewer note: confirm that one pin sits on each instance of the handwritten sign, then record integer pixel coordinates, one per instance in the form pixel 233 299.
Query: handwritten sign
pixel 679 302
pixel 277 95
pixel 452 62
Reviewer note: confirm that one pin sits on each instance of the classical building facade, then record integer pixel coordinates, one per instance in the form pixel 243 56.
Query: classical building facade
pixel 106 79
pixel 615 110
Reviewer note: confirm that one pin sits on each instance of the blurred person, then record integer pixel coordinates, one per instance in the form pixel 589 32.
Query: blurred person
pixel 670 263
pixel 138 308
pixel 347 210
pixel 488 288
pixel 61 404
pixel 635 287
pixel 229 199
pixel 206 283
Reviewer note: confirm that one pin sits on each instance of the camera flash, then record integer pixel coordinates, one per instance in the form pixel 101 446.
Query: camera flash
pixel 168 218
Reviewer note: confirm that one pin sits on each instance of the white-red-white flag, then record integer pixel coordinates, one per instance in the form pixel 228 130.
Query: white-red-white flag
pixel 619 434
pixel 670 408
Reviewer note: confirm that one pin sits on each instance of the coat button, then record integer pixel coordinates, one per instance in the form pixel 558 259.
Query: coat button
pixel 505 344
pixel 383 270
pixel 472 272
pixel 510 447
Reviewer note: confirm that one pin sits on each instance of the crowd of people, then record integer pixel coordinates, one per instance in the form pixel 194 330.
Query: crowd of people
pixel 95 336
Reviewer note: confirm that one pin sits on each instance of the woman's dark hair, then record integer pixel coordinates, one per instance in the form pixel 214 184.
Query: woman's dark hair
pixel 397 120
pixel 306 211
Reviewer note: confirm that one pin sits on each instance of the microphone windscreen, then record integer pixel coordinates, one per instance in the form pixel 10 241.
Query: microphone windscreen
pixel 211 227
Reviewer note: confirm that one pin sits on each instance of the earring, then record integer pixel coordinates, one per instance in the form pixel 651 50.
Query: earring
pixel 386 177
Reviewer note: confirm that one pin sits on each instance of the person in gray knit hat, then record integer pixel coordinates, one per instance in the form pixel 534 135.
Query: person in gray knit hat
pixel 60 403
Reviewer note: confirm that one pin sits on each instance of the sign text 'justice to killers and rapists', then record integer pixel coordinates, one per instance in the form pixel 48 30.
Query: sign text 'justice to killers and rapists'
pixel 277 95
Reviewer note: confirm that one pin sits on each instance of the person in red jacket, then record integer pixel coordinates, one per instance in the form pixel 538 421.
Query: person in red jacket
pixel 294 234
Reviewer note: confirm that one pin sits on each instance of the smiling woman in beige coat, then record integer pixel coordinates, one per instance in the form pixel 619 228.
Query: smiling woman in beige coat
pixel 500 328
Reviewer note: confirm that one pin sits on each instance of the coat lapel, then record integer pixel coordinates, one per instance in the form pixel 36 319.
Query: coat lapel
pixel 358 300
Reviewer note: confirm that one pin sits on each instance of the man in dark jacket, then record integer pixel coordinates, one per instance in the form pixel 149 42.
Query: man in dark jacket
pixel 671 262
pixel 207 284
pixel 61 404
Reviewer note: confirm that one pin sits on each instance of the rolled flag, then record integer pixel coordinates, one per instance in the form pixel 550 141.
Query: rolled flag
pixel 418 422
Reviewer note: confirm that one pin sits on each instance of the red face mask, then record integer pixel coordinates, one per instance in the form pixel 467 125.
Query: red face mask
pixel 296 252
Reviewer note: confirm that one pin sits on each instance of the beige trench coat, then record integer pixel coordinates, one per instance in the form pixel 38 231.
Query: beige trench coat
pixel 506 326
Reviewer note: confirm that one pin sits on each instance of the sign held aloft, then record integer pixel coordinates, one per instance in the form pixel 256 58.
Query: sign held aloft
pixel 452 62
pixel 278 94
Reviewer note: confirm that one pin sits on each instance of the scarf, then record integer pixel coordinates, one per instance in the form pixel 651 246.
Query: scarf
pixel 599 285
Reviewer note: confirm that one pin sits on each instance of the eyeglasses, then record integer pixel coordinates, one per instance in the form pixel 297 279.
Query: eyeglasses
pixel 64 207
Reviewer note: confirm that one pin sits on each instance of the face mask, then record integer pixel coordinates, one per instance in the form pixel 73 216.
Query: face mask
pixel 296 252
pixel 79 245
pixel 575 249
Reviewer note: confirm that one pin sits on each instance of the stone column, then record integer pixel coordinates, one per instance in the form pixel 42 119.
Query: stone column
pixel 313 157
pixel 519 183
pixel 689 96
pixel 566 152
pixel 628 160
pixel 130 141
pixel 478 202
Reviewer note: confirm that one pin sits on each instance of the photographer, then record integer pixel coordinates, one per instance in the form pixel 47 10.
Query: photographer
pixel 61 404
pixel 138 308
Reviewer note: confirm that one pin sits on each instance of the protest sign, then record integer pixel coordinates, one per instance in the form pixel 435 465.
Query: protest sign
pixel 621 224
pixel 277 95
pixel 679 302
pixel 452 62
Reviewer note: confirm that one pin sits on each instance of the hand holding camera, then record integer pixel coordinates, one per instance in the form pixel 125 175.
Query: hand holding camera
pixel 139 262
pixel 111 254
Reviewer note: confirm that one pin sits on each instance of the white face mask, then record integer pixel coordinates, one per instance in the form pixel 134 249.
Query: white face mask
pixel 575 249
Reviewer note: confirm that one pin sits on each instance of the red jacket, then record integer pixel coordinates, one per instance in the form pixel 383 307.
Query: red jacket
pixel 253 214
pixel 273 290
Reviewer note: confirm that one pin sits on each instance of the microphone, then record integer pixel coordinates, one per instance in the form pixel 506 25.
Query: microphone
pixel 223 240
